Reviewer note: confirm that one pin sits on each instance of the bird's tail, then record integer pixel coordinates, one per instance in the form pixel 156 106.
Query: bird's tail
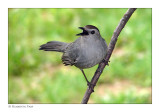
pixel 54 46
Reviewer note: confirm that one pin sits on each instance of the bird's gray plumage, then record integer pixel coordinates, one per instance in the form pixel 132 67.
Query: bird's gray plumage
pixel 85 52
pixel 54 46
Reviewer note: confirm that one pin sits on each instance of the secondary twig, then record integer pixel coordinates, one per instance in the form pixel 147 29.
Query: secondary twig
pixel 111 46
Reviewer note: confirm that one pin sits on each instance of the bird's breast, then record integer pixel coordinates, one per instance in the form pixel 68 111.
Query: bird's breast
pixel 92 53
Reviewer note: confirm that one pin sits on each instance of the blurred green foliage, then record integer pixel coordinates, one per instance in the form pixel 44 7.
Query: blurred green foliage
pixel 39 77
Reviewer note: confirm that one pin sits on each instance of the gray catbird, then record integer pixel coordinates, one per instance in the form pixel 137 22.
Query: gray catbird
pixel 85 52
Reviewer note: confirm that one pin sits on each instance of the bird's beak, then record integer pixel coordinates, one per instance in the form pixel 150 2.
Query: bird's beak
pixel 81 28
pixel 83 33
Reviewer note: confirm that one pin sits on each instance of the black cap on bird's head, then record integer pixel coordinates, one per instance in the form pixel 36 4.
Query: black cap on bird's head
pixel 85 32
pixel 91 27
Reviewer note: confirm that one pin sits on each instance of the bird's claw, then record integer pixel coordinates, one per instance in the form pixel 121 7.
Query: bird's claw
pixel 106 61
pixel 90 85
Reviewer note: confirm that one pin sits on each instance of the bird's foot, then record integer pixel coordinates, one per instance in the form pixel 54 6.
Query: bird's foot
pixel 90 85
pixel 106 61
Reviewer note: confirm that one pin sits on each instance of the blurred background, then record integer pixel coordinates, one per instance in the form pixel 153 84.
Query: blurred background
pixel 40 77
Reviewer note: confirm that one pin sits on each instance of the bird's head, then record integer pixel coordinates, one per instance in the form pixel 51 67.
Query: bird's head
pixel 89 30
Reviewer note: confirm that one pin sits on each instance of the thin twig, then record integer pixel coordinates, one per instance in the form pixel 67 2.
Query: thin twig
pixel 111 46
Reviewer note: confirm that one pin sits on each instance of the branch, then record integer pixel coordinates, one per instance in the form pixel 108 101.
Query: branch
pixel 109 52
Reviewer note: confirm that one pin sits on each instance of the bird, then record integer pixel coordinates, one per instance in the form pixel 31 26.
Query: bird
pixel 85 52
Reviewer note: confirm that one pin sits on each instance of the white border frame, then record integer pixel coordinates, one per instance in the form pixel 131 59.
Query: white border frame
pixel 4 5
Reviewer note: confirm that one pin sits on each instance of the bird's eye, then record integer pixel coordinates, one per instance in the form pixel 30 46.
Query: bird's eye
pixel 92 32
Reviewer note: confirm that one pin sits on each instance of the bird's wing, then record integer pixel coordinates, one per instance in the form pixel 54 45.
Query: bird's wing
pixel 71 54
